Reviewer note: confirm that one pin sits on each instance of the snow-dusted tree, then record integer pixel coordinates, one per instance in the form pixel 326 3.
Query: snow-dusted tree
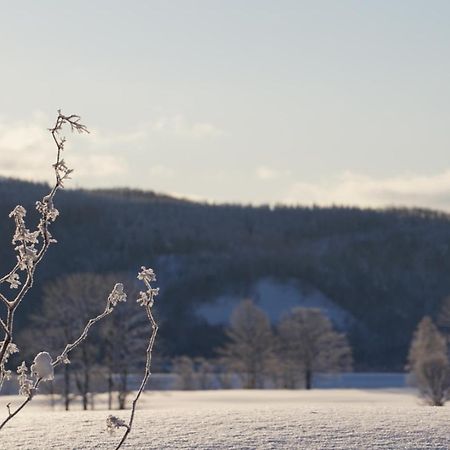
pixel 249 351
pixel 428 363
pixel 30 248
pixel 307 345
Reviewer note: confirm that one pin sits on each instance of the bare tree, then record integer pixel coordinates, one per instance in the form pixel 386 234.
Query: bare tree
pixel 428 363
pixel 67 305
pixel 307 345
pixel 146 300
pixel 51 328
pixel 249 351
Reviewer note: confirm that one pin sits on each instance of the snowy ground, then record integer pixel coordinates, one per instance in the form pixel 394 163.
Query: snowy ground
pixel 320 419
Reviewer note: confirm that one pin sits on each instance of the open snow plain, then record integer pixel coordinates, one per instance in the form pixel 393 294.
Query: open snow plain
pixel 236 419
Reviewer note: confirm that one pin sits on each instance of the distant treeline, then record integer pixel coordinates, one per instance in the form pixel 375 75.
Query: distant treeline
pixel 388 268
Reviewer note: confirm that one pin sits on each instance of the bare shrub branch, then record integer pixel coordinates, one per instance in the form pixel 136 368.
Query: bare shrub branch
pixel 146 300
pixel 26 242
pixel 117 295
pixel 30 247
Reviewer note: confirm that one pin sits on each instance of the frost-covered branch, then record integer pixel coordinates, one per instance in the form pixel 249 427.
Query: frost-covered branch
pixel 43 365
pixel 117 295
pixel 31 246
pixel 27 387
pixel 146 299
pixel 5 328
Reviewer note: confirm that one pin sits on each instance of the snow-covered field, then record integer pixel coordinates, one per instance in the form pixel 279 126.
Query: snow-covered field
pixel 319 419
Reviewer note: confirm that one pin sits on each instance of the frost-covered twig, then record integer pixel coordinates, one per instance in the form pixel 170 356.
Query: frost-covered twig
pixel 28 247
pixel 146 300
pixel 117 295
pixel 43 365
pixel 31 247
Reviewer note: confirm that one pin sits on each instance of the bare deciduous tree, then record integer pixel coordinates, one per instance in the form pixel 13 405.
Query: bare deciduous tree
pixel 307 345
pixel 428 363
pixel 67 305
pixel 251 343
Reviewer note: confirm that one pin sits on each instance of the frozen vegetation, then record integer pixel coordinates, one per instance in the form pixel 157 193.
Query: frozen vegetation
pixel 30 247
pixel 320 419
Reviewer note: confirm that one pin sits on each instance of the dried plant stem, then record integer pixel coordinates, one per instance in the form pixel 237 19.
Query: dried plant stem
pixel 147 374
pixel 31 248
pixel 62 358
pixel 69 347
pixel 22 405
pixel 46 219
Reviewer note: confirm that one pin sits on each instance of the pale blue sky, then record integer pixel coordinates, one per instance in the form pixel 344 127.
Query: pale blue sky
pixel 253 101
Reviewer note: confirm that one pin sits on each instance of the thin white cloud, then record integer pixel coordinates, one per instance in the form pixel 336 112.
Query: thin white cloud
pixel 27 151
pixel 95 166
pixel 179 125
pixel 19 136
pixel 265 173
pixel 111 138
pixel 432 191
pixel 24 149
pixel 161 171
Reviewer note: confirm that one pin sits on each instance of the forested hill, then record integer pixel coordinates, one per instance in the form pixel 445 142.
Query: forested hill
pixel 387 268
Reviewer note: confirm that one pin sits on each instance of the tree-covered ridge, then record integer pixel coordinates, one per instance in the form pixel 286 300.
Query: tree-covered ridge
pixel 388 268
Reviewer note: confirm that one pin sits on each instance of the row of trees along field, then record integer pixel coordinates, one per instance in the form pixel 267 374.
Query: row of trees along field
pixel 303 344
pixel 257 354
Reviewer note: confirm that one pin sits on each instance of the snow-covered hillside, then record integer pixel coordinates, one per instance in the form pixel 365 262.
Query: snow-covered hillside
pixel 275 298
pixel 321 419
